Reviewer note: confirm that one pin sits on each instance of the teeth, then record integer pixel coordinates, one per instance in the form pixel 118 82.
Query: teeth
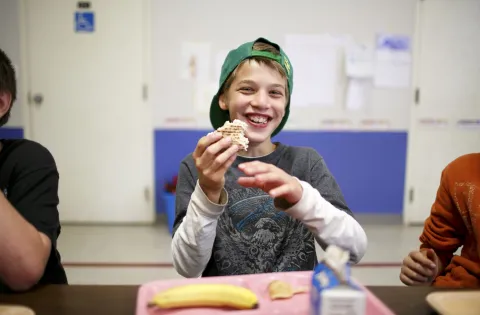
pixel 258 119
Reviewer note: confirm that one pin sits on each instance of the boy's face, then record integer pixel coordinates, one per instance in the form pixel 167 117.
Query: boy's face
pixel 257 97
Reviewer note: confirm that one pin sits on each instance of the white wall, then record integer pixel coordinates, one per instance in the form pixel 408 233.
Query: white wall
pixel 224 25
pixel 227 26
pixel 10 43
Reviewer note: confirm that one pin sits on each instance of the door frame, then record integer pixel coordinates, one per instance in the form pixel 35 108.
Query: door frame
pixel 25 70
pixel 416 75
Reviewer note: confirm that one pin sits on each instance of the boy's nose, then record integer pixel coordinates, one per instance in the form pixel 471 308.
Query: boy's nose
pixel 260 99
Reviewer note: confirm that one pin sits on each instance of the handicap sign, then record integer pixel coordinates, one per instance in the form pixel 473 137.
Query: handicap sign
pixel 84 22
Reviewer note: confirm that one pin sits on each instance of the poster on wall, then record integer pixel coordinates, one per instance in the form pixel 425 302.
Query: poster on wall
pixel 219 59
pixel 359 61
pixel 202 97
pixel 359 70
pixel 195 61
pixel 393 61
pixel 358 94
pixel 315 60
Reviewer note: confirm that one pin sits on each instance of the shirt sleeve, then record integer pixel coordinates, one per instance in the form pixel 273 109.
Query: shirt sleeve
pixel 33 190
pixel 194 226
pixel 324 211
pixel 444 231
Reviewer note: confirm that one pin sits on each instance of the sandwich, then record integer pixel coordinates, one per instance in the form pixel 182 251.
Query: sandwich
pixel 236 131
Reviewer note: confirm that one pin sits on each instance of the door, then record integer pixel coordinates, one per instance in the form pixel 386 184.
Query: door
pixel 448 79
pixel 88 105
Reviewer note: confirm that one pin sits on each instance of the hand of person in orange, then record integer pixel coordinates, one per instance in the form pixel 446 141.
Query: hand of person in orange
pixel 419 268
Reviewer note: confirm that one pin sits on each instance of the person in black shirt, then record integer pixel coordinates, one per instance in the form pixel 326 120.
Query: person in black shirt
pixel 29 218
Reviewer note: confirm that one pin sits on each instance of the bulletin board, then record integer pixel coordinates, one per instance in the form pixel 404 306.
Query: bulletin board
pixel 352 59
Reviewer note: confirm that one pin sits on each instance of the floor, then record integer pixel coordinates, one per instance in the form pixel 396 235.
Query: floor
pixel 139 254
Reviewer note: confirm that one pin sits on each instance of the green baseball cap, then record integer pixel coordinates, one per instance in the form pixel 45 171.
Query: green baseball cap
pixel 218 116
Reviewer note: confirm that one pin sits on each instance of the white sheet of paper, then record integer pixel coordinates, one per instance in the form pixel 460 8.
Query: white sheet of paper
pixel 393 62
pixel 219 59
pixel 359 61
pixel 195 61
pixel 357 94
pixel 202 96
pixel 315 69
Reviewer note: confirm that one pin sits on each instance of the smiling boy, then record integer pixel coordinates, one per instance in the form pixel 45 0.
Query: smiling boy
pixel 260 210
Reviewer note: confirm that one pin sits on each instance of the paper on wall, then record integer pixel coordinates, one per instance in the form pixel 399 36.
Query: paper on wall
pixel 202 96
pixel 219 59
pixel 195 61
pixel 359 61
pixel 314 59
pixel 392 61
pixel 357 94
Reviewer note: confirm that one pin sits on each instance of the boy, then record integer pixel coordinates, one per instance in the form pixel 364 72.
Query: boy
pixel 261 210
pixel 452 223
pixel 29 224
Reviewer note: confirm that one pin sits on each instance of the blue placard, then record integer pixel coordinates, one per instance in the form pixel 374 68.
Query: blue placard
pixel 84 22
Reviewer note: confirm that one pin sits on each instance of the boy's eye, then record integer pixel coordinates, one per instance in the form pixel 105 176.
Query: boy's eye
pixel 248 89
pixel 277 93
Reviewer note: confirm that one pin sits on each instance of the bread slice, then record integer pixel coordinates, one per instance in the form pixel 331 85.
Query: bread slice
pixel 236 131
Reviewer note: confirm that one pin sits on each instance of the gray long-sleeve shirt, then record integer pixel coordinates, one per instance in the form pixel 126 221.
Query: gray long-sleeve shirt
pixel 247 234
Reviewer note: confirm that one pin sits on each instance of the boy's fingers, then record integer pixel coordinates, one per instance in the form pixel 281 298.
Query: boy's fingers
pixel 422 259
pixel 204 142
pixel 247 182
pixel 412 275
pixel 253 168
pixel 416 267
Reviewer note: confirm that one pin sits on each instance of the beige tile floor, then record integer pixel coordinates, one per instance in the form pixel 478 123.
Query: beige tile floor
pixel 138 254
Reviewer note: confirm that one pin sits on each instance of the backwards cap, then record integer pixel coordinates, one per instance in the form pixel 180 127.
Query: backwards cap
pixel 219 116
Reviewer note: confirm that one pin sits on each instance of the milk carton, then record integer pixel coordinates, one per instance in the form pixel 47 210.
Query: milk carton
pixel 332 291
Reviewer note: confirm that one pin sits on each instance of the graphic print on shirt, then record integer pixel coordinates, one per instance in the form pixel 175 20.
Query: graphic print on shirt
pixel 254 237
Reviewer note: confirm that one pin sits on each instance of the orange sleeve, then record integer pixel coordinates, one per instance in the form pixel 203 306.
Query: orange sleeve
pixel 444 230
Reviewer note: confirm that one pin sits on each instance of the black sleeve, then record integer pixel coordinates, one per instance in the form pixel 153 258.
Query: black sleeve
pixel 33 188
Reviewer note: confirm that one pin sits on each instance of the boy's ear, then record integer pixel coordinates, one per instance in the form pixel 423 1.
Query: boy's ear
pixel 5 102
pixel 222 102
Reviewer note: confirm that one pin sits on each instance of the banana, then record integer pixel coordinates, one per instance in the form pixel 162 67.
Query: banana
pixel 206 295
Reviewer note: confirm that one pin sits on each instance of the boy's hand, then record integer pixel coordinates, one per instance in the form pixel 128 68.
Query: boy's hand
pixel 419 268
pixel 271 180
pixel 213 156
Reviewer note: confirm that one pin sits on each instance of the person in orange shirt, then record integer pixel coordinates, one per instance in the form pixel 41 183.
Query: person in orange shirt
pixel 452 223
